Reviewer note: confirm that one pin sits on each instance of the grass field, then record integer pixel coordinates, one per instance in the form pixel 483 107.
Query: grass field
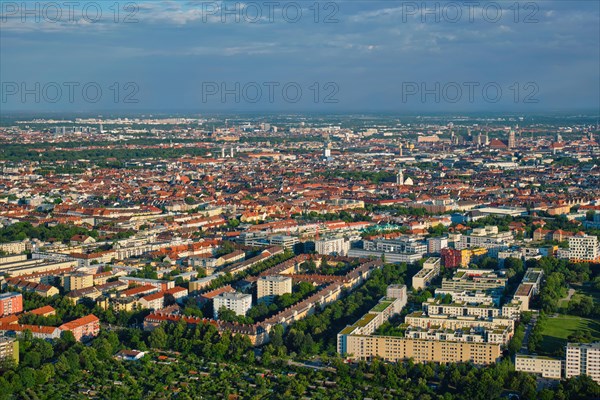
pixel 559 328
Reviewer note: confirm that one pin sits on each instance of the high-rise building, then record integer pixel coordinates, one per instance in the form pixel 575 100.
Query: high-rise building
pixel 583 359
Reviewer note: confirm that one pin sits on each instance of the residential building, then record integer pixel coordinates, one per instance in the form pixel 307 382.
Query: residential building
pixel 546 367
pixel 14 247
pixel 267 287
pixel 431 269
pixel 9 351
pixel 10 303
pixel 451 258
pixel 78 281
pixel 488 238
pixel 332 246
pixel 239 303
pixel 83 328
pixel 436 244
pixel 582 248
pixel 583 359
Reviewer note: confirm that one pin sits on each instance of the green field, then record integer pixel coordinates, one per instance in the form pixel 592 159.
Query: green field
pixel 559 328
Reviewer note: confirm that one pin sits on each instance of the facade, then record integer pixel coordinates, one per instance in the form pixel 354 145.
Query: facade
pixel 9 351
pixel 404 249
pixel 583 359
pixel 10 303
pixel 431 269
pixel 267 287
pixel 13 247
pixel 395 349
pixel 239 303
pixel 582 248
pixel 451 258
pixel 488 238
pixel 83 328
pixel 332 246
pixel 78 281
pixel 544 366
pixel 436 244
pixel 474 279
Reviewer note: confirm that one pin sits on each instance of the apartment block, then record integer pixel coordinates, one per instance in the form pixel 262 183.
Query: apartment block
pixel 582 248
pixel 239 303
pixel 395 349
pixel 83 328
pixel 546 367
pixel 10 303
pixel 488 238
pixel 267 287
pixel 78 281
pixel 431 269
pixel 474 279
pixel 436 244
pixel 332 246
pixel 583 359
pixel 451 258
pixel 9 351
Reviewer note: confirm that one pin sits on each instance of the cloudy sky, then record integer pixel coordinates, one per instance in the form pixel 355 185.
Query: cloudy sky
pixel 338 56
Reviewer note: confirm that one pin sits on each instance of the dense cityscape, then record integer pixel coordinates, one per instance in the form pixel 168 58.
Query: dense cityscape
pixel 300 256
pixel 300 200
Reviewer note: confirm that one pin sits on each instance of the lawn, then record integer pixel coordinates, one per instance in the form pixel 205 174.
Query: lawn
pixel 559 328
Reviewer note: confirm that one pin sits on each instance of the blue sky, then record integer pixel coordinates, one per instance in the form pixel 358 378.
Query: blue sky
pixel 353 56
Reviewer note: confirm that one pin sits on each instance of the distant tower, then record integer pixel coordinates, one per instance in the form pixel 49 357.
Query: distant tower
pixel 400 177
pixel 479 140
pixel 511 139
pixel 487 139
pixel 222 152
pixel 231 152
pixel 400 149
pixel 327 153
pixel 101 128
pixel 558 138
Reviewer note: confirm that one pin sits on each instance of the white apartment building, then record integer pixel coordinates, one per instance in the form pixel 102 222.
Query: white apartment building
pixel 431 269
pixel 436 244
pixel 582 247
pixel 332 246
pixel 239 303
pixel 583 359
pixel 547 367
pixel 267 287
